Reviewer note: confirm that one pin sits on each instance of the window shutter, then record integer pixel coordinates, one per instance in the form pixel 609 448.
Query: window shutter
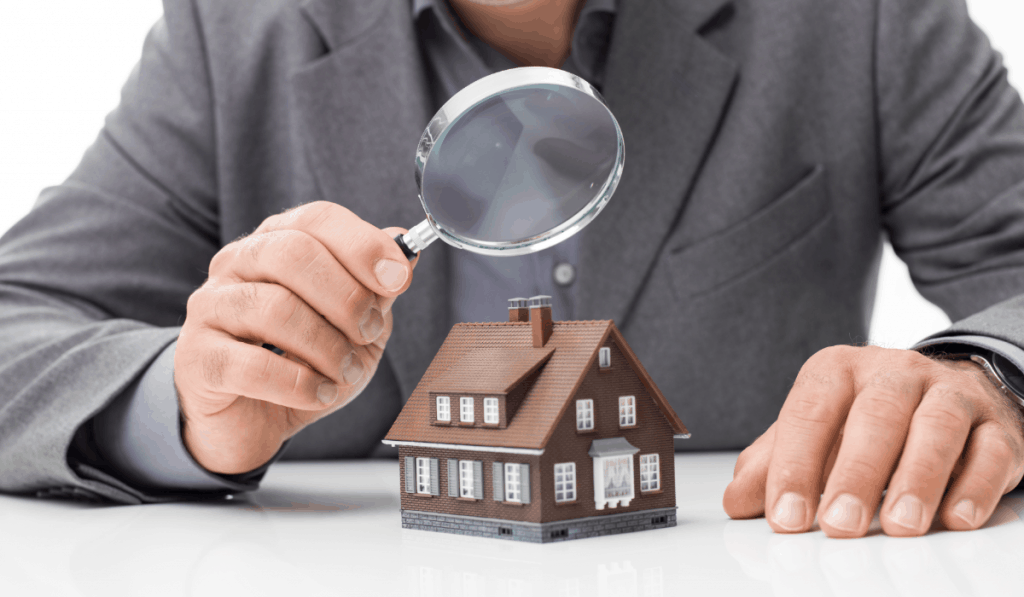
pixel 410 474
pixel 478 479
pixel 453 477
pixel 434 481
pixel 524 483
pixel 498 470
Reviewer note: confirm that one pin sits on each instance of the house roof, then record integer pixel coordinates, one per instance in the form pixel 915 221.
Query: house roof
pixel 470 347
pixel 490 371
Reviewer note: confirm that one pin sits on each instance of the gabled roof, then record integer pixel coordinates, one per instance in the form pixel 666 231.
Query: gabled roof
pixel 572 348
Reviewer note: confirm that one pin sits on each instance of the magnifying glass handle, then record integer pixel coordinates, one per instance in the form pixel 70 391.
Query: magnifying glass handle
pixel 417 239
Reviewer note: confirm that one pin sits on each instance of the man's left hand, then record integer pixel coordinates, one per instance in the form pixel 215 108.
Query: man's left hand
pixel 860 420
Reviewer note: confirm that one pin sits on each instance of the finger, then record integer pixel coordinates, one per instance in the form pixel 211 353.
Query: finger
pixel 272 314
pixel 938 432
pixel 234 368
pixel 744 496
pixel 386 302
pixel 367 252
pixel 992 468
pixel 808 426
pixel 295 260
pixel 875 432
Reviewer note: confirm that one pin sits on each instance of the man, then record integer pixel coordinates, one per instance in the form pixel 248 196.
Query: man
pixel 770 145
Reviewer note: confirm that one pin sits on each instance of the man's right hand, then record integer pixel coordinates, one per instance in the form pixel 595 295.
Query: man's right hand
pixel 316 282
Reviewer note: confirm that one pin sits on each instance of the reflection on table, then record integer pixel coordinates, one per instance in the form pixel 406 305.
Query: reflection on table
pixel 334 529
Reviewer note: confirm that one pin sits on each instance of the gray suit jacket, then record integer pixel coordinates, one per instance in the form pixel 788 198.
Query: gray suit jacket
pixel 770 145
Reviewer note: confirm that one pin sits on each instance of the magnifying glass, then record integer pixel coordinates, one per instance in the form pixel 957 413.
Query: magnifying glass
pixel 514 163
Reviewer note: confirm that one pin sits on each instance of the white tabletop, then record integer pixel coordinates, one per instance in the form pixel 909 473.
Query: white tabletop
pixel 334 529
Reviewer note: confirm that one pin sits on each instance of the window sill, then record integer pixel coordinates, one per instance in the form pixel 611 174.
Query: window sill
pixel 585 431
pixel 651 491
pixel 516 504
pixel 466 499
pixel 633 426
pixel 570 503
pixel 421 495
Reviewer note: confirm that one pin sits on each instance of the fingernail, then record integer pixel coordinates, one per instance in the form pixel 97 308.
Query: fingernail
pixel 790 512
pixel 966 511
pixel 391 274
pixel 351 368
pixel 845 514
pixel 327 393
pixel 908 512
pixel 372 325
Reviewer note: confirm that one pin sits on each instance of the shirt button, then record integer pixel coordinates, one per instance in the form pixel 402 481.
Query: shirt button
pixel 564 274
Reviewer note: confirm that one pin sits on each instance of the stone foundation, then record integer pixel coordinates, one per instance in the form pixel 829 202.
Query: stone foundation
pixel 565 530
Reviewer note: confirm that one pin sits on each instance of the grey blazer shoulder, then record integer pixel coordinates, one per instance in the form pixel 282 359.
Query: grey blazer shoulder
pixel 769 147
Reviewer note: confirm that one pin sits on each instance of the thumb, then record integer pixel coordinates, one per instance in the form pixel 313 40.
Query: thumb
pixel 394 232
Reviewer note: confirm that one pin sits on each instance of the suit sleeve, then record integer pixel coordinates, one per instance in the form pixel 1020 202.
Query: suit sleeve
pixel 951 137
pixel 94 280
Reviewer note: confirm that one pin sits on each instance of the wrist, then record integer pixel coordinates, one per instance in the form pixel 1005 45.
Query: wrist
pixel 222 452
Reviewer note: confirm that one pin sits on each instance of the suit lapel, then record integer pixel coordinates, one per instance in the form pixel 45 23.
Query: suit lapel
pixel 669 90
pixel 362 108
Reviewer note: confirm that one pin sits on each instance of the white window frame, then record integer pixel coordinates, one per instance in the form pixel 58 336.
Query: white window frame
pixel 423 475
pixel 622 465
pixel 565 482
pixel 466 479
pixel 466 409
pixel 490 411
pixel 513 483
pixel 604 357
pixel 444 408
pixel 585 415
pixel 627 411
pixel 650 472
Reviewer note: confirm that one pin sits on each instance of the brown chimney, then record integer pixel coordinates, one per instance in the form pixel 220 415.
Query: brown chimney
pixel 517 310
pixel 540 319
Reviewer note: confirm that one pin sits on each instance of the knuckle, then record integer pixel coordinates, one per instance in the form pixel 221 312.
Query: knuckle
pixel 295 249
pixel 997 450
pixel 215 365
pixel 884 404
pixel 789 476
pixel 834 356
pixel 321 213
pixel 359 299
pixel 805 412
pixel 281 307
pixel 223 258
pixel 243 298
pixel 255 368
pixel 197 302
pixel 946 419
pixel 855 471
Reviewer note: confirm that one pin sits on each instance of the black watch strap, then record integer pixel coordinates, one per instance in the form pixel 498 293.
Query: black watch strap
pixel 987 362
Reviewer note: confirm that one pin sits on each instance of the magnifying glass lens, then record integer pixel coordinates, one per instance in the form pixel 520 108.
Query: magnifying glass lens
pixel 519 164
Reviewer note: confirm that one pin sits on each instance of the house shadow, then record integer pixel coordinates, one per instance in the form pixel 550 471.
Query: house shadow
pixel 272 500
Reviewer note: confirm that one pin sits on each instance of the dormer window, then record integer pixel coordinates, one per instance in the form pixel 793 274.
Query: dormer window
pixel 490 411
pixel 466 409
pixel 627 411
pixel 605 357
pixel 584 415
pixel 444 409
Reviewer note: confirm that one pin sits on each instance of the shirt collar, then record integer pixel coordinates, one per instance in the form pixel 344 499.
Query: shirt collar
pixel 418 6
pixel 589 43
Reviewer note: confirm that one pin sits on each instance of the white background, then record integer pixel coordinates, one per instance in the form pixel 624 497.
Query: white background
pixel 62 63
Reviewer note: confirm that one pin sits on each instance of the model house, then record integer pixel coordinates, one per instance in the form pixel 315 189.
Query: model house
pixel 536 430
